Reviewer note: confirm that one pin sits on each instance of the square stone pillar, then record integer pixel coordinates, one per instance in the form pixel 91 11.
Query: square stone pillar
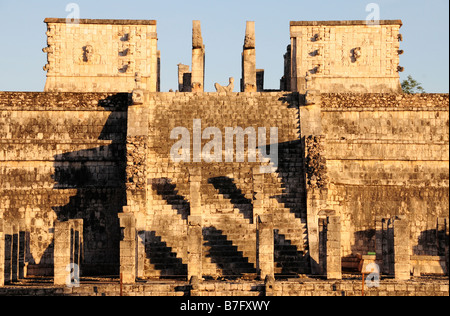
pixel 258 191
pixel 316 200
pixel 195 243
pixel 2 253
pixel 195 181
pixel 198 58
pixel 77 244
pixel 195 225
pixel 62 252
pixel 402 255
pixel 334 260
pixel 248 81
pixel 265 247
pixel 68 252
pixel 128 253
pixel 15 252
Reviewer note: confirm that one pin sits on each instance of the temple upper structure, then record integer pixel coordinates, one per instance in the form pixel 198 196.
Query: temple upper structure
pixel 101 55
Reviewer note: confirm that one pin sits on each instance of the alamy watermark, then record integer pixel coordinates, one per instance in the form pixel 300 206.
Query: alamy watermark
pixel 73 277
pixel 213 151
pixel 373 18
pixel 373 279
pixel 73 18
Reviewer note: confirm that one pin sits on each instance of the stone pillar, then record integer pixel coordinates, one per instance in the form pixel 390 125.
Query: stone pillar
pixel 128 247
pixel 195 180
pixel 78 242
pixel 198 58
pixel 195 227
pixel 2 253
pixel 379 241
pixel 15 252
pixel 62 252
pixel 316 199
pixel 334 263
pixel 402 255
pixel 68 252
pixel 141 254
pixel 195 242
pixel 258 191
pixel 248 82
pixel 265 247
pixel 184 78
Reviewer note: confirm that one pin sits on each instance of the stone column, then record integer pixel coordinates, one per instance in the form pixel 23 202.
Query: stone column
pixel 195 227
pixel 195 180
pixel 316 199
pixel 128 247
pixel 248 82
pixel 2 253
pixel 334 264
pixel 77 226
pixel 195 242
pixel 258 191
pixel 62 252
pixel 15 252
pixel 198 58
pixel 402 256
pixel 265 247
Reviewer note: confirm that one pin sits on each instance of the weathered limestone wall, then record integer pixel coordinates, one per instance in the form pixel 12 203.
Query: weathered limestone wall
pixel 387 156
pixel 345 56
pixel 62 156
pixel 101 55
pixel 86 156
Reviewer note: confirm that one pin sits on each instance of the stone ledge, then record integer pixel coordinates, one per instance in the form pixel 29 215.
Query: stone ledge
pixel 343 23
pixel 106 21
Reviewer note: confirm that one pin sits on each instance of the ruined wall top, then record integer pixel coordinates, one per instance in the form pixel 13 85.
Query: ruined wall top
pixel 104 21
pixel 344 23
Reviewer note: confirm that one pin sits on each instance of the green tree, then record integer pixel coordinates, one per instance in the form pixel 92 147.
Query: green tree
pixel 411 86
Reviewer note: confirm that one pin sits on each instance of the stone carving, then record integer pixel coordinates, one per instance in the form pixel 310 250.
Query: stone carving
pixel 250 88
pixel 46 67
pixel 48 50
pixel 135 172
pixel 317 38
pixel 356 54
pixel 227 89
pixel 249 41
pixel 138 96
pixel 89 56
pixel 196 87
pixel 316 164
pixel 197 39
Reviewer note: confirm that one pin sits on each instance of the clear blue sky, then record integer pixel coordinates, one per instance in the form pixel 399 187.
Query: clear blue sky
pixel 425 31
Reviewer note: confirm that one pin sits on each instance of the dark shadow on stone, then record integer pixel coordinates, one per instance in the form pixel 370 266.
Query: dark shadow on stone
pixel 428 244
pixel 225 255
pixel 162 257
pixel 288 259
pixel 230 191
pixel 168 192
pixel 98 175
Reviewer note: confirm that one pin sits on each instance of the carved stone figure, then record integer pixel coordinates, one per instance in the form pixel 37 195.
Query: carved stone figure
pixel 89 56
pixel 356 53
pixel 227 89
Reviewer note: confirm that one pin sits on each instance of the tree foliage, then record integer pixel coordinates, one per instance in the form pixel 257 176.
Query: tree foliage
pixel 411 86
